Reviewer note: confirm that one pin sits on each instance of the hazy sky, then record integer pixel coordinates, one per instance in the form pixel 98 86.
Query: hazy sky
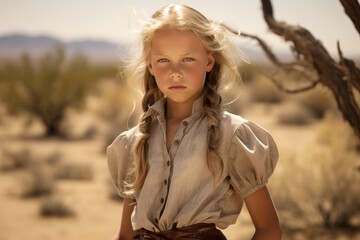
pixel 114 20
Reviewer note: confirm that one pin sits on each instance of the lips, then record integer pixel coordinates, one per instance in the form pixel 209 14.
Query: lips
pixel 177 87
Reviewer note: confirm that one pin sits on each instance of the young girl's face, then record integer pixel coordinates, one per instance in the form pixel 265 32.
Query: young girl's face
pixel 179 63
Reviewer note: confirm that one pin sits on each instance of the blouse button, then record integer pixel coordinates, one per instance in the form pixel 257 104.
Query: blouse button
pixel 185 124
pixel 168 163
pixel 162 200
pixel 165 181
pixel 176 142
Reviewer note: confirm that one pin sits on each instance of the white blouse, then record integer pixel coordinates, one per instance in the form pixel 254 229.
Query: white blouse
pixel 179 189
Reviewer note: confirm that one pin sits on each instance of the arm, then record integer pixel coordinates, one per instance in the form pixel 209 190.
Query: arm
pixel 126 231
pixel 263 214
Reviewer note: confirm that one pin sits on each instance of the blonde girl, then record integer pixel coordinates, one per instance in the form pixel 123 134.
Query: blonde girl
pixel 185 170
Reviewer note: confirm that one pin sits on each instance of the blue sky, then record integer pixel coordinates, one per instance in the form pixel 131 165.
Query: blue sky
pixel 115 20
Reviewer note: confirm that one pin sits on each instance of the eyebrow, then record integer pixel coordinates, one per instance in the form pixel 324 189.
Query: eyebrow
pixel 164 54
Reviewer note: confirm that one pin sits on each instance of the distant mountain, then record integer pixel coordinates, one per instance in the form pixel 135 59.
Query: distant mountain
pixel 13 46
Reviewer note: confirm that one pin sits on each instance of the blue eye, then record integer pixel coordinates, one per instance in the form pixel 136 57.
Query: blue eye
pixel 163 60
pixel 188 59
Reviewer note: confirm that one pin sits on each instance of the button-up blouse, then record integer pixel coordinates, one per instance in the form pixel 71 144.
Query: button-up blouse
pixel 179 189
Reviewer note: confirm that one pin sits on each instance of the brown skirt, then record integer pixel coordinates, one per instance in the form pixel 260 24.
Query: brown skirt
pixel 204 231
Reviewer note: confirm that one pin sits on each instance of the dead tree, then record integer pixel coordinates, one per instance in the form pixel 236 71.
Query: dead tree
pixel 315 63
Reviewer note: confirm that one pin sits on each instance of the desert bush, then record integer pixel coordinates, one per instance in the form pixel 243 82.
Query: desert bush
pixel 12 160
pixel 263 90
pixel 25 158
pixel 74 171
pixel 323 188
pixel 55 207
pixel 335 132
pixel 318 101
pixel 47 87
pixel 294 114
pixel 38 182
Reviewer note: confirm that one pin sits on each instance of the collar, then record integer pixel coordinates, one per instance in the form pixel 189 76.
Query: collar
pixel 158 108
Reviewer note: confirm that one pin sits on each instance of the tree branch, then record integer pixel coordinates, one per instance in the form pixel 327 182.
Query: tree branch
pixel 348 67
pixel 295 66
pixel 352 9
pixel 339 78
pixel 291 91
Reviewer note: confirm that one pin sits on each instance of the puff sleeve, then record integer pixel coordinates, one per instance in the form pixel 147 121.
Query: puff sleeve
pixel 253 156
pixel 119 160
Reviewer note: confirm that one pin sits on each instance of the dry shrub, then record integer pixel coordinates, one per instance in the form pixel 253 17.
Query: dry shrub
pixel 335 132
pixel 25 158
pixel 55 207
pixel 74 171
pixel 263 90
pixel 38 182
pixel 294 114
pixel 15 160
pixel 47 87
pixel 318 101
pixel 323 189
pixel 37 170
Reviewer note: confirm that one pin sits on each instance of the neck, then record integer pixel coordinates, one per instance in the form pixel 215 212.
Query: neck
pixel 178 111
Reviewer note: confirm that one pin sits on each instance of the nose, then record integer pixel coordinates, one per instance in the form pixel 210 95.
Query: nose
pixel 175 76
pixel 175 73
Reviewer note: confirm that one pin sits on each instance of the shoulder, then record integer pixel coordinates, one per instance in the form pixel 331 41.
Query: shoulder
pixel 251 153
pixel 122 144
pixel 236 125
pixel 230 123
pixel 119 159
pixel 125 138
pixel 236 129
pixel 230 119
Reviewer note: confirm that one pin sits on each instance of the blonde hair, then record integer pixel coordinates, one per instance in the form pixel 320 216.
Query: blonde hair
pixel 216 39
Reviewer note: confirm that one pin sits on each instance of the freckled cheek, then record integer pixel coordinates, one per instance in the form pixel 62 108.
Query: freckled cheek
pixel 191 71
pixel 196 73
pixel 160 72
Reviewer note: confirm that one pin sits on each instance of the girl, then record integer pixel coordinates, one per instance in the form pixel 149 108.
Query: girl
pixel 188 166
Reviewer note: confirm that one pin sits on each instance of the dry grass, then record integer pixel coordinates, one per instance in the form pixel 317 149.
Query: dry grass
pixel 24 158
pixel 15 160
pixel 263 90
pixel 318 101
pixel 39 181
pixel 294 114
pixel 322 189
pixel 55 207
pixel 74 171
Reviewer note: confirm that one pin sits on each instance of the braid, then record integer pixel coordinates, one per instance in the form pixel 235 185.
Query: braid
pixel 152 92
pixel 211 105
pixel 140 168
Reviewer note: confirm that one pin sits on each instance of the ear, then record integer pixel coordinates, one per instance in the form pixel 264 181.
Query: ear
pixel 210 63
pixel 149 66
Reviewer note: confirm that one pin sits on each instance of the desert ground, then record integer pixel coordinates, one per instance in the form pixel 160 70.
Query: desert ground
pixel 92 213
